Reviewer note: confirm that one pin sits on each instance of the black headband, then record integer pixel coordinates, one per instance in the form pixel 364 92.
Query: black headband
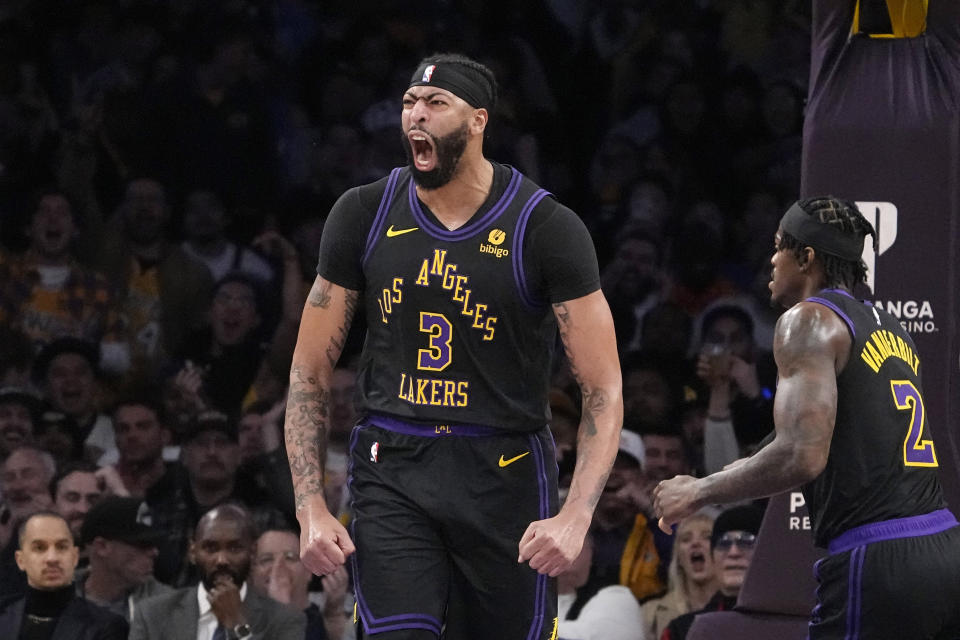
pixel 462 81
pixel 822 237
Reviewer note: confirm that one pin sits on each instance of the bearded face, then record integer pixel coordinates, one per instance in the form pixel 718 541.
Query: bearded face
pixel 433 160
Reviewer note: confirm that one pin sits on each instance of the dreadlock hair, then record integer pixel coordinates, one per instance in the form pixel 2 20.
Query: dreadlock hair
pixel 842 215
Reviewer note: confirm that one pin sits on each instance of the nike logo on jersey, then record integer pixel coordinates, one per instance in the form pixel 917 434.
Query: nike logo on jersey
pixel 391 232
pixel 504 463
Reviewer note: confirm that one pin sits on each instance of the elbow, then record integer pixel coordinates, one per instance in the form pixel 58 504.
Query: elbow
pixel 808 463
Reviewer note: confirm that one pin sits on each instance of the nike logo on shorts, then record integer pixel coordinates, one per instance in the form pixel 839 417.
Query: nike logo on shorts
pixel 504 463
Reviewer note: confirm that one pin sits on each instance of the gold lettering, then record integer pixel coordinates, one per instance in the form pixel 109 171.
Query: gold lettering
pixel 398 295
pixel 869 360
pixel 466 303
pixel 462 387
pixel 449 276
pixel 488 335
pixel 383 315
pixel 876 356
pixel 449 388
pixel 436 389
pixel 385 306
pixel 421 390
pixel 882 345
pixel 478 310
pixel 892 341
pixel 422 278
pixel 439 256
pixel 916 365
pixel 403 377
pixel 903 348
pixel 458 288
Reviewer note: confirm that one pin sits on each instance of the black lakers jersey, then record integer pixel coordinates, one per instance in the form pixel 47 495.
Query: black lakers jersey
pixel 459 323
pixel 882 462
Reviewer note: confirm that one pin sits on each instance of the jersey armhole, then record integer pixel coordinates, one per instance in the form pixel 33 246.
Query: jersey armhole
pixel 833 307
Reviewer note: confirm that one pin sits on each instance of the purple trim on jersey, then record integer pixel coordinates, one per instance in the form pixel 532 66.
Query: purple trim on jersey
pixel 854 593
pixel 434 430
pixel 381 218
pixel 837 310
pixel 471 228
pixel 911 527
pixel 540 596
pixel 518 274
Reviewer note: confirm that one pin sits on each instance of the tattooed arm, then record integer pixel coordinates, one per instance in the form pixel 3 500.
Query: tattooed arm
pixel 811 345
pixel 327 314
pixel 586 329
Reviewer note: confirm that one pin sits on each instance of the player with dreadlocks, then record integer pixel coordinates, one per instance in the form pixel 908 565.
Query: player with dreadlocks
pixel 851 429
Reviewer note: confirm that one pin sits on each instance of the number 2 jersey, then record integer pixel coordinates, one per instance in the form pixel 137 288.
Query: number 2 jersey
pixel 460 327
pixel 882 462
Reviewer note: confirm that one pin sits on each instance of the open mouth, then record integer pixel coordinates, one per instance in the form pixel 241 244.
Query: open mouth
pixel 698 561
pixel 424 151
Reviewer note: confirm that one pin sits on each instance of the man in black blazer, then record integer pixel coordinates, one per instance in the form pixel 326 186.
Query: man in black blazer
pixel 222 606
pixel 51 610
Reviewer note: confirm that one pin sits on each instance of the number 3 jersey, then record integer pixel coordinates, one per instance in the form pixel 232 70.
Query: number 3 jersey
pixel 882 462
pixel 460 327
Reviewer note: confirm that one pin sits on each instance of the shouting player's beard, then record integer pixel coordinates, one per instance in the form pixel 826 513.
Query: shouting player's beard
pixel 449 149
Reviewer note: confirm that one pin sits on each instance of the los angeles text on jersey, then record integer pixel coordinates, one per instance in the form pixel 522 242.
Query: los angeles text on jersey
pixel 883 344
pixel 433 391
pixel 436 270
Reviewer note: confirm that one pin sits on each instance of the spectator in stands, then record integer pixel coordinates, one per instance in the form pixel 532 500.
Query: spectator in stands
pixel 141 435
pixel 210 458
pixel 68 370
pixel 121 546
pixel 650 394
pixel 691 576
pixel 25 483
pixel 278 573
pixel 205 223
pixel 19 409
pixel 241 357
pixel 159 284
pixel 623 531
pixel 633 281
pixel 222 550
pixel 49 295
pixel 611 613
pixel 50 609
pixel 75 489
pixel 741 380
pixel 731 545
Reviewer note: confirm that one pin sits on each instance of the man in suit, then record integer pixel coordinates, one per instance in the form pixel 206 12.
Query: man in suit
pixel 221 607
pixel 50 610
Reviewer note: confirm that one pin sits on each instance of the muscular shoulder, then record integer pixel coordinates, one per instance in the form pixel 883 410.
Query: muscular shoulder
pixel 810 330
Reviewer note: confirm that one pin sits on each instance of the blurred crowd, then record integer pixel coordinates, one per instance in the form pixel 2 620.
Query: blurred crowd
pixel 165 170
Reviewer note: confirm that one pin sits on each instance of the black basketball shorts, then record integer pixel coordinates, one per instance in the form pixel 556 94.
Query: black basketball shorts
pixel 895 579
pixel 438 513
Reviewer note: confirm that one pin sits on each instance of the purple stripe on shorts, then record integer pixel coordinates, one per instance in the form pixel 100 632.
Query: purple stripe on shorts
pixel 381 217
pixel 540 595
pixel 837 310
pixel 471 227
pixel 433 430
pixel 927 524
pixel 854 593
pixel 518 275
pixel 397 627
